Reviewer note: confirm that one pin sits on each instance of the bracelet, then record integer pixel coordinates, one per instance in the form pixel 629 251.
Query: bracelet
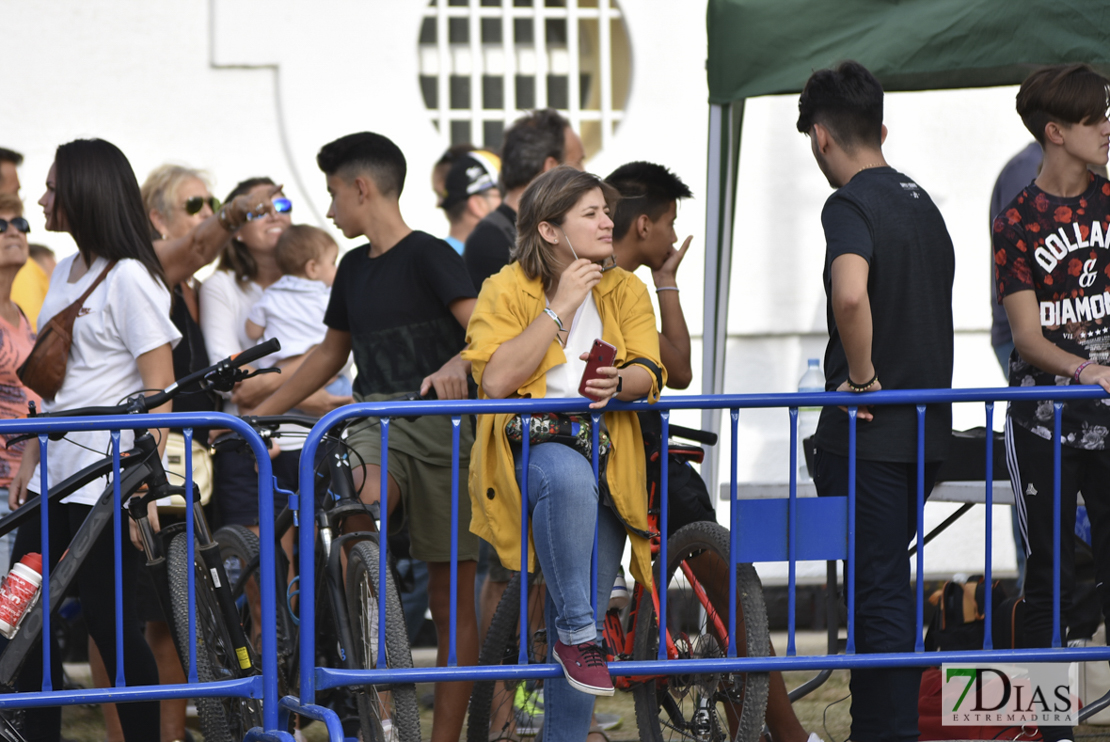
pixel 224 220
pixel 1079 370
pixel 863 387
pixel 666 288
pixel 551 313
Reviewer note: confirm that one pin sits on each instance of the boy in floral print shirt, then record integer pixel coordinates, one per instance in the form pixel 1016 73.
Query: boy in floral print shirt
pixel 1052 264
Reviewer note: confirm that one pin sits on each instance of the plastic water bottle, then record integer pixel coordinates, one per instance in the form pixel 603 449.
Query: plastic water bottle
pixel 19 592
pixel 812 381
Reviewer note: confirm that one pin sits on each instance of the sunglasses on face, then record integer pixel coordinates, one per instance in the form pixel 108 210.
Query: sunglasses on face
pixel 19 223
pixel 196 203
pixel 281 206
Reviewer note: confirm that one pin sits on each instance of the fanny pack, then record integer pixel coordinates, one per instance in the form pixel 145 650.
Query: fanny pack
pixel 575 431
pixel 45 368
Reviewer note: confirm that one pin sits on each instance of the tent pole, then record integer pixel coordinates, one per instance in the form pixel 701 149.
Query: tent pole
pixel 724 154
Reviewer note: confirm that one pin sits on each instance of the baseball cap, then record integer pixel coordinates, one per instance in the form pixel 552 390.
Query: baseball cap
pixel 473 173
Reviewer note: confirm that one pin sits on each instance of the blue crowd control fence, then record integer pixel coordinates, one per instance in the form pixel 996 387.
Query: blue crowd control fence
pixel 263 686
pixel 791 529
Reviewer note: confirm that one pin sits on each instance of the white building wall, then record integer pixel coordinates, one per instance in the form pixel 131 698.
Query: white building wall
pixel 249 87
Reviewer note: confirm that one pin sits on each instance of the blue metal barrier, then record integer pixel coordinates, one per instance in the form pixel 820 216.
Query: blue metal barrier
pixel 263 686
pixel 788 532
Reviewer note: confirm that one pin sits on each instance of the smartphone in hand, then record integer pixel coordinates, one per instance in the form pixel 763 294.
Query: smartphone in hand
pixel 602 354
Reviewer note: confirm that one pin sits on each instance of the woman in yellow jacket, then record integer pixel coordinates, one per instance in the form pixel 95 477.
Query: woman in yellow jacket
pixel 529 336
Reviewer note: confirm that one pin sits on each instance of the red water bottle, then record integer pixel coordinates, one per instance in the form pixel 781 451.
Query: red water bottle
pixel 18 592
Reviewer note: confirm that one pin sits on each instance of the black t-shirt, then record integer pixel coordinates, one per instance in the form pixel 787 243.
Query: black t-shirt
pixel 396 308
pixel 886 218
pixel 488 246
pixel 1057 247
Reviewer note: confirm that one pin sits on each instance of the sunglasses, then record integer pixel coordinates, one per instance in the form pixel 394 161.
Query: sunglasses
pixel 281 206
pixel 196 203
pixel 19 223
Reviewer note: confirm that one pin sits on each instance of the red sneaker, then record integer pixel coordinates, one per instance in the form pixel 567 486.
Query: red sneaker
pixel 585 667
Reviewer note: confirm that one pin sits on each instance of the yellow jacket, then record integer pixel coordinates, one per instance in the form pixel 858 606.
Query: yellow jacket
pixel 508 303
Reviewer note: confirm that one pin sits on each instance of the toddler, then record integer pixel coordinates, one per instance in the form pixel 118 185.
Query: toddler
pixel 292 309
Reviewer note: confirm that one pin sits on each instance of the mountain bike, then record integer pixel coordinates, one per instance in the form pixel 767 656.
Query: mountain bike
pixel 346 596
pixel 683 706
pixel 222 650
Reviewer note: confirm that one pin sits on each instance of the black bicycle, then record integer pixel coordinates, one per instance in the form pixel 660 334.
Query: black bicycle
pixel 222 650
pixel 347 604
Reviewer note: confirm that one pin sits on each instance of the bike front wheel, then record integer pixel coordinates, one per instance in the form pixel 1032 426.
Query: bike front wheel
pixel 509 709
pixel 222 719
pixel 387 712
pixel 704 706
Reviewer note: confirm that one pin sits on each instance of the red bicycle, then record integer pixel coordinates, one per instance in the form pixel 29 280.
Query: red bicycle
pixel 707 707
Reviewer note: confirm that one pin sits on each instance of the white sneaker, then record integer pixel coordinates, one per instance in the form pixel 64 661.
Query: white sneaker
pixel 619 597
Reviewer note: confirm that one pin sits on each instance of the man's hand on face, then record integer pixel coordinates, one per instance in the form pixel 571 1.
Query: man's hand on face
pixel 667 275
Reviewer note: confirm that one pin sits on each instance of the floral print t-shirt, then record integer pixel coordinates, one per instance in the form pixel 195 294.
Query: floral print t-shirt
pixel 1060 249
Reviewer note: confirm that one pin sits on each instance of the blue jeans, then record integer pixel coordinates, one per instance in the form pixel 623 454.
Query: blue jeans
pixel 565 510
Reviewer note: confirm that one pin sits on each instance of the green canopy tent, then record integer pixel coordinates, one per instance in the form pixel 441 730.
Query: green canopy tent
pixel 770 47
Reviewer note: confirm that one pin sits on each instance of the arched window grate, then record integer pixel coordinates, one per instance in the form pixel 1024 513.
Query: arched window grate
pixel 484 62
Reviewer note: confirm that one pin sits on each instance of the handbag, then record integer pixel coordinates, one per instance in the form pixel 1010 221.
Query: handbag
pixel 45 368
pixel 175 467
pixel 575 431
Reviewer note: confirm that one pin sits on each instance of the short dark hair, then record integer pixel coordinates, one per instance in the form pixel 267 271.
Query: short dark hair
pixel 848 101
pixel 1063 93
pixel 367 152
pixel 10 155
pixel 96 190
pixel 527 145
pixel 299 244
pixel 645 188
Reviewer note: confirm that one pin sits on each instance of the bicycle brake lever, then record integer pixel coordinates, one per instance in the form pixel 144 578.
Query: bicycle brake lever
pixel 259 371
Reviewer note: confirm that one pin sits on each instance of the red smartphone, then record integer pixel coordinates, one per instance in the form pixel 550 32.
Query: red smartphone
pixel 602 354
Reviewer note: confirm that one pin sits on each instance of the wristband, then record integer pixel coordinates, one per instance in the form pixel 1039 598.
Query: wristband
pixel 551 313
pixel 666 288
pixel 863 387
pixel 620 383
pixel 1079 370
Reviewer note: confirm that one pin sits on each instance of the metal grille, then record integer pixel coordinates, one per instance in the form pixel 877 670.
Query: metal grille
pixel 484 62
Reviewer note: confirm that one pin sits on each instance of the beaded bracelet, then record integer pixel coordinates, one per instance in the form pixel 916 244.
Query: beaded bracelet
pixel 863 387
pixel 1079 370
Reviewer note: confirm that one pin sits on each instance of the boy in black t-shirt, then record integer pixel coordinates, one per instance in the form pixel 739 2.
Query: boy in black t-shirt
pixel 1053 271
pixel 401 303
pixel 889 266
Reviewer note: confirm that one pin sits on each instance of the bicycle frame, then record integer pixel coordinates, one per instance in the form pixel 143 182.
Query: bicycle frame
pixel 262 686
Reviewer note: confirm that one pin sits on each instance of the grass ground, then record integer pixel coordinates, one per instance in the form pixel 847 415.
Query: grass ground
pixel 825 711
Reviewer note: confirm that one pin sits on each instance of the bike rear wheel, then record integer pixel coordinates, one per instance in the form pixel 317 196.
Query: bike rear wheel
pixel 222 719
pixel 387 713
pixel 709 706
pixel 507 709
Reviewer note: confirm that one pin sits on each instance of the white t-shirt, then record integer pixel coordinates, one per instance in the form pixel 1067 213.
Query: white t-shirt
pixel 292 310
pixel 126 316
pixel 563 380
pixel 224 306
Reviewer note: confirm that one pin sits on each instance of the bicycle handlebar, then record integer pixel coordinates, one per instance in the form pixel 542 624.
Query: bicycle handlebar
pixel 220 376
pixel 693 434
